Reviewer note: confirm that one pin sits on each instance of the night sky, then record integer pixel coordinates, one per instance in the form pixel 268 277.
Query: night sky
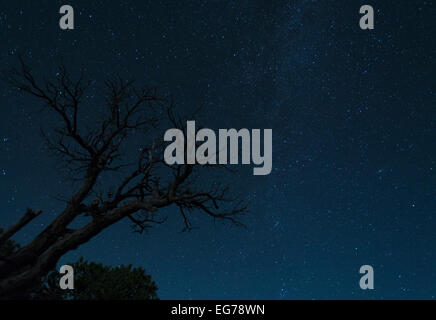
pixel 353 115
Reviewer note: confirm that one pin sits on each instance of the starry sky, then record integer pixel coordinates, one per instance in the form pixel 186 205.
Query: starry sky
pixel 353 118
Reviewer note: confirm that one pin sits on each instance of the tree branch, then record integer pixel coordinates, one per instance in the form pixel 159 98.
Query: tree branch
pixel 28 216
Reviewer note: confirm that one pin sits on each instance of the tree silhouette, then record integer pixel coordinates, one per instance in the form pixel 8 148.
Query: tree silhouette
pixel 146 185
pixel 94 281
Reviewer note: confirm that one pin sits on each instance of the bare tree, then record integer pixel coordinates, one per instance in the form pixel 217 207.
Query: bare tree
pixel 146 185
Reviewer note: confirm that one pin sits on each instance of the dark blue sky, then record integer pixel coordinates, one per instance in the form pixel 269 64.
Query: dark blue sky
pixel 353 118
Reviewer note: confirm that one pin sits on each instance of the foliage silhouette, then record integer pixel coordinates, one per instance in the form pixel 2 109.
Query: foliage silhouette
pixel 92 281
